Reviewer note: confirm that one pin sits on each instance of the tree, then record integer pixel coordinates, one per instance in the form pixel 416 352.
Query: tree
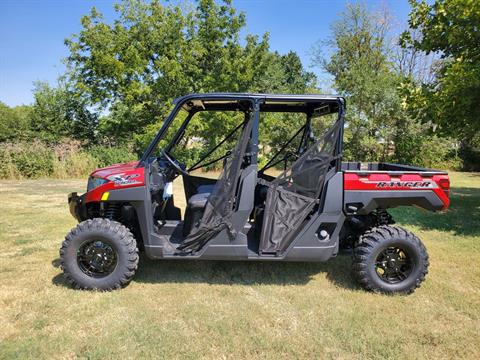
pixel 362 71
pixel 415 64
pixel 152 53
pixel 15 122
pixel 49 112
pixel 374 76
pixel 449 28
pixel 59 112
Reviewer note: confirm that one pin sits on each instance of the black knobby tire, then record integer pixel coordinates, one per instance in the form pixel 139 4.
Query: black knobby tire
pixel 374 257
pixel 111 237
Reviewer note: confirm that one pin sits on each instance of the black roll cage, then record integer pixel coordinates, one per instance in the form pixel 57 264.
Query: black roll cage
pixel 230 134
pixel 271 163
pixel 247 103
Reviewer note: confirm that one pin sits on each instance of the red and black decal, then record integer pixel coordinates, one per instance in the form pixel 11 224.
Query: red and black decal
pixel 439 184
pixel 409 184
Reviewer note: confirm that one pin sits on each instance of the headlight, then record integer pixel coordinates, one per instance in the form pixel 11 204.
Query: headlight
pixel 94 182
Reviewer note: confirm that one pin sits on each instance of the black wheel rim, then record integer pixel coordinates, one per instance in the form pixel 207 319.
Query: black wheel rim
pixel 97 258
pixel 393 265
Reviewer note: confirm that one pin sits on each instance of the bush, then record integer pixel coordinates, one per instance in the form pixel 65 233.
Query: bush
pixel 470 153
pixel 417 145
pixel 106 156
pixel 8 170
pixel 26 160
pixel 66 159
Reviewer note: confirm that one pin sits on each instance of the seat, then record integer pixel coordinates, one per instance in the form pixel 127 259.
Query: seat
pixel 208 188
pixel 195 206
pixel 198 201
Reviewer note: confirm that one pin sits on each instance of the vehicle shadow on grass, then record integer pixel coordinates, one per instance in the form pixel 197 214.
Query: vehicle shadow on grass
pixel 246 273
pixel 462 217
pixel 337 271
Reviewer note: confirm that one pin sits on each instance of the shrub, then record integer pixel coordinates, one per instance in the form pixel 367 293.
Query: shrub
pixel 32 160
pixel 65 159
pixel 75 165
pixel 105 156
pixel 417 145
pixel 71 160
pixel 470 152
pixel 8 170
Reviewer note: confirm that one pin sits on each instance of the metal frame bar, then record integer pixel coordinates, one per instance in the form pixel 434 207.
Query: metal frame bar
pixel 195 167
pixel 284 146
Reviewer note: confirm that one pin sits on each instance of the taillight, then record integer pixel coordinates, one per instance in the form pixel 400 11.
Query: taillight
pixel 445 185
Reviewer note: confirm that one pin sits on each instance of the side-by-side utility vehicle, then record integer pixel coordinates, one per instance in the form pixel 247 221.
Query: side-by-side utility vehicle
pixel 291 199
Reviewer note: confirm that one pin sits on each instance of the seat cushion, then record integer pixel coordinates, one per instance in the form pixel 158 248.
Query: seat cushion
pixel 195 206
pixel 194 211
pixel 205 189
pixel 198 200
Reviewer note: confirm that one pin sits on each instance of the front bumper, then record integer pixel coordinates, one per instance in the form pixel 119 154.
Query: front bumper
pixel 77 206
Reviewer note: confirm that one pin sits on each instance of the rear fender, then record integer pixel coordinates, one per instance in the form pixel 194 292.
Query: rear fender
pixel 367 192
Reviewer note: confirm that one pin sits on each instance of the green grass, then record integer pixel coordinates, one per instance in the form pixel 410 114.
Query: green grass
pixel 222 310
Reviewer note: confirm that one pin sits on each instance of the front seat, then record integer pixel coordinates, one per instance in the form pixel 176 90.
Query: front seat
pixel 195 206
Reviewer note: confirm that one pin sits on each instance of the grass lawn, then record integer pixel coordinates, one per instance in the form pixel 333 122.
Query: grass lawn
pixel 222 310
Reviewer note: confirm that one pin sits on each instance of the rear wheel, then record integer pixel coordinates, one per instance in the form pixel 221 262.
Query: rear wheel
pixel 99 254
pixel 391 260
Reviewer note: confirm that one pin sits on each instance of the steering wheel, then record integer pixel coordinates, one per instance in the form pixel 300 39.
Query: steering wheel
pixel 176 165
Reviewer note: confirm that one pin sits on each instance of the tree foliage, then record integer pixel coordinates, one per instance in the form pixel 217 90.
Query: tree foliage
pixel 372 74
pixel 15 123
pixel 362 72
pixel 416 103
pixel 153 53
pixel 57 113
pixel 449 28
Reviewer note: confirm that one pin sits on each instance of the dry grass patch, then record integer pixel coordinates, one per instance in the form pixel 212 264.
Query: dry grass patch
pixel 175 309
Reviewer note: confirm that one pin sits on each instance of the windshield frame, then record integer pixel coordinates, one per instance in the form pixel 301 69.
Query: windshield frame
pixel 166 124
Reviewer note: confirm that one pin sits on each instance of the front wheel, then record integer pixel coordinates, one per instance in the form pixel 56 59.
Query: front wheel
pixel 99 254
pixel 390 260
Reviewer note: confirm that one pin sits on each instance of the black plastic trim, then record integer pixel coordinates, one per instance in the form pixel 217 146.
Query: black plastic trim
pixel 373 199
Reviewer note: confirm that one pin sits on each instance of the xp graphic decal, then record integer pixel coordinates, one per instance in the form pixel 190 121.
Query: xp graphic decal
pixel 122 179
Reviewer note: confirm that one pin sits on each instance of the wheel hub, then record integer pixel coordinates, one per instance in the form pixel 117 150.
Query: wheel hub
pixel 97 258
pixel 393 265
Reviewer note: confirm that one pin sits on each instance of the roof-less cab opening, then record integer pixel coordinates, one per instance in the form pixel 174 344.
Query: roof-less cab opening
pixel 216 206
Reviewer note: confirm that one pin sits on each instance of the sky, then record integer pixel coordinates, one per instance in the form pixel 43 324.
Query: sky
pixel 32 33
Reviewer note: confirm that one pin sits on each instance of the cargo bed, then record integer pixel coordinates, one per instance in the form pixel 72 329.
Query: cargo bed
pixel 386 167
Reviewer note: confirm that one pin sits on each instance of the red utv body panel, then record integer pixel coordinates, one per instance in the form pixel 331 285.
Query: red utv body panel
pixel 120 176
pixel 378 183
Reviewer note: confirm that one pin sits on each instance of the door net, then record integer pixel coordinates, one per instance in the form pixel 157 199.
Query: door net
pixel 292 196
pixel 221 202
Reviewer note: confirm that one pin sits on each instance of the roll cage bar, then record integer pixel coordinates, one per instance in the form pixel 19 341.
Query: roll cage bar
pixel 193 103
pixel 197 164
